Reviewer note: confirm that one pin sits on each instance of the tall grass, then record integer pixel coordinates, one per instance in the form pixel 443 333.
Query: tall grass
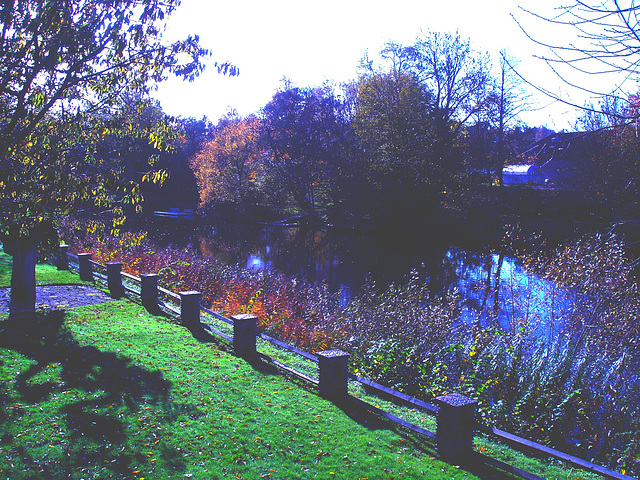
pixel 296 312
pixel 575 389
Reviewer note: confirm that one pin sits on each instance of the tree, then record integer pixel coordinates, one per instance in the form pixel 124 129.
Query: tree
pixel 611 153
pixel 607 45
pixel 229 167
pixel 193 134
pixel 391 120
pixel 303 132
pixel 458 79
pixel 128 149
pixel 497 118
pixel 410 112
pixel 63 65
pixel 180 189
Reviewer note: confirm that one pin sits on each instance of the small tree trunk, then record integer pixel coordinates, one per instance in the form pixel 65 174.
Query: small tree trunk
pixel 23 276
pixel 496 291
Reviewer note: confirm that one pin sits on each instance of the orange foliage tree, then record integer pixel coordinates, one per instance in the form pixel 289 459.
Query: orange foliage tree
pixel 229 168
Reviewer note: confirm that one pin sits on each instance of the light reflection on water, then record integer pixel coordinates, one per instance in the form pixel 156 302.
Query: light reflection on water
pixel 523 299
pixel 493 287
pixel 257 262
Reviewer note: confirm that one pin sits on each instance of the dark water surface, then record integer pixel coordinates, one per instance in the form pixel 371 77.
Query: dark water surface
pixel 493 286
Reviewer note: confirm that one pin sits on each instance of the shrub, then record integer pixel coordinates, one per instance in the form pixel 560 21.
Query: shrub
pixel 294 311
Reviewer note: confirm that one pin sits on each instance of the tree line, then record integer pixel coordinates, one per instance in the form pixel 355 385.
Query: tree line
pixel 418 122
pixel 421 125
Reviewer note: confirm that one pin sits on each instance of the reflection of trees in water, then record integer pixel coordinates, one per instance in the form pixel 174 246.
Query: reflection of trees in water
pixel 497 291
pixel 494 290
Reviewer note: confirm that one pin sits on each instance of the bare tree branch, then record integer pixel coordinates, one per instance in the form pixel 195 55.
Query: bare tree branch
pixel 607 42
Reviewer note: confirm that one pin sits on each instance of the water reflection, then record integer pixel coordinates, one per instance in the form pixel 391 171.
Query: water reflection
pixel 339 260
pixel 498 290
pixel 494 288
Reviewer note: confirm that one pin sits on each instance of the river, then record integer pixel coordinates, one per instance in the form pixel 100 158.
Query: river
pixel 494 288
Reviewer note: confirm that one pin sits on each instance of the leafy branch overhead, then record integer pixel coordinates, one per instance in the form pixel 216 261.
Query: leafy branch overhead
pixel 64 69
pixel 73 78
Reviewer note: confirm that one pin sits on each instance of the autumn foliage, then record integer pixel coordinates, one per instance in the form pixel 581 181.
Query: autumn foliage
pixel 293 311
pixel 563 392
pixel 228 167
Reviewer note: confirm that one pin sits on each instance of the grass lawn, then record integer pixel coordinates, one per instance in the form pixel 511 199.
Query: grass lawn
pixel 46 274
pixel 110 391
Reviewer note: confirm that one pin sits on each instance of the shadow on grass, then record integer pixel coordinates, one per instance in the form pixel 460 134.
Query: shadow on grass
pixel 105 381
pixel 475 463
pixel 362 415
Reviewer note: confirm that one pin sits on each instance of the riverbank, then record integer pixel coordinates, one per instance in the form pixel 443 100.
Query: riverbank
pixel 104 391
pixel 109 391
pixel 564 390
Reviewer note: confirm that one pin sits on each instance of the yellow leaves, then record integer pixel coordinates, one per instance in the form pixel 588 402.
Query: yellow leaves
pixel 227 167
pixel 37 99
pixel 155 176
pixel 153 139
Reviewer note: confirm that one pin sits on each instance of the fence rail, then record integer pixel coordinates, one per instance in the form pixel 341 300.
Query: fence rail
pixel 455 414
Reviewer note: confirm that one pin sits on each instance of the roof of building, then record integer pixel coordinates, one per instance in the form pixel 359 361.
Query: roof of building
pixel 518 169
pixel 564 145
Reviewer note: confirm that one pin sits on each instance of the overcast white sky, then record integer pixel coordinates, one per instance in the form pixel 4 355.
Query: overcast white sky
pixel 311 42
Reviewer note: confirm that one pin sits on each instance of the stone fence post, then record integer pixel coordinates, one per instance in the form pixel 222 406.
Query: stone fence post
pixel 333 366
pixel 63 260
pixel 245 330
pixel 190 309
pixel 114 279
pixel 454 429
pixel 85 266
pixel 149 291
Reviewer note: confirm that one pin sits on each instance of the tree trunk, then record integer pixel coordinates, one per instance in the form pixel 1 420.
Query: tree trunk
pixel 496 286
pixel 23 276
pixel 501 134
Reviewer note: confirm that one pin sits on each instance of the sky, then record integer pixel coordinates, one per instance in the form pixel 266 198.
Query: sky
pixel 312 42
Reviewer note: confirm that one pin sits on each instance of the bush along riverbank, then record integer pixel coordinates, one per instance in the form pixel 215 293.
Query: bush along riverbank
pixel 574 389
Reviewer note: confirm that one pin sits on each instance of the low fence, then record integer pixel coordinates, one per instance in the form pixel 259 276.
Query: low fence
pixel 455 414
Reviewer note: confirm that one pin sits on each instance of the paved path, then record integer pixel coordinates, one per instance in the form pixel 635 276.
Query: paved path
pixel 55 297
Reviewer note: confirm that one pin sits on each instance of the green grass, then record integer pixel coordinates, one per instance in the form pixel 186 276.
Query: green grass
pixel 45 274
pixel 547 468
pixel 110 391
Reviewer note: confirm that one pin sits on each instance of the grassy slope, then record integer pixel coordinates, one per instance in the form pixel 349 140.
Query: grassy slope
pixel 110 391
